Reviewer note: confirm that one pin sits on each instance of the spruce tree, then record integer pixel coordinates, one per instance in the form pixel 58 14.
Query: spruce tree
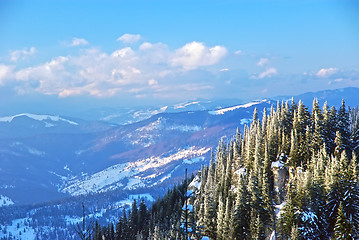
pixel 344 229
pixel 240 221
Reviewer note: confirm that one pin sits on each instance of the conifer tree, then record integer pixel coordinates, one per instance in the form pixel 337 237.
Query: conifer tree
pixel 343 126
pixel 344 229
pixel 240 221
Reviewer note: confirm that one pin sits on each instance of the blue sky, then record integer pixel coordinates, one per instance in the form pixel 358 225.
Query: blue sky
pixel 144 52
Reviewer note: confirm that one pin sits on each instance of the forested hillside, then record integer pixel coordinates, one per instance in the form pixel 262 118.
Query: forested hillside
pixel 293 174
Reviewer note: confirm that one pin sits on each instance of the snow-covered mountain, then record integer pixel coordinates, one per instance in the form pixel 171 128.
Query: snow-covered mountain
pixel 56 157
pixel 50 158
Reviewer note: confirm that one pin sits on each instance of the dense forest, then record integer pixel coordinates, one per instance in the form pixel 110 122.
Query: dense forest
pixel 293 174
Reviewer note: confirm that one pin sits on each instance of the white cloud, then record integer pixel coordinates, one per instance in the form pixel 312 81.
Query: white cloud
pixel 152 82
pixel 267 73
pixel 129 38
pixel 78 42
pixel 123 52
pixel 238 52
pixel 5 73
pixel 196 54
pixel 224 70
pixel 337 80
pixel 152 69
pixel 21 54
pixel 146 46
pixel 262 62
pixel 326 72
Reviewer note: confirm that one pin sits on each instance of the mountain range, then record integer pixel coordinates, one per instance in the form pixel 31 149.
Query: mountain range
pixel 46 157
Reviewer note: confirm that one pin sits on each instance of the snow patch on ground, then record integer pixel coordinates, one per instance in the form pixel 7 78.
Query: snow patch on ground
pixel 5 201
pixel 224 110
pixel 38 118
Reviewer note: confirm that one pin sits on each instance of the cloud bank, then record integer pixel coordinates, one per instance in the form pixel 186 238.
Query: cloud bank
pixel 152 69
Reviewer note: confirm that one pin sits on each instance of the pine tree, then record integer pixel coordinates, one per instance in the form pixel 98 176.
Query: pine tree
pixel 354 130
pixel 142 218
pixel 329 127
pixel 343 126
pixel 240 221
pixel 210 203
pixel 344 229
pixel 220 218
pixel 134 219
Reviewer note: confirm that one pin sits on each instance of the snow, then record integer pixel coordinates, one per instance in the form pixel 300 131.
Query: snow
pixel 277 164
pixel 189 208
pixel 196 183
pixel 27 233
pixel 272 236
pixel 189 193
pixel 135 171
pixel 128 201
pixel 98 182
pixel 245 121
pixel 5 201
pixel 134 183
pixel 184 105
pixel 30 150
pixel 185 128
pixel 67 168
pixel 72 220
pixel 38 118
pixel 278 209
pixel 146 196
pixel 193 160
pixel 241 171
pixel 224 110
pixel 5 186
pixel 307 215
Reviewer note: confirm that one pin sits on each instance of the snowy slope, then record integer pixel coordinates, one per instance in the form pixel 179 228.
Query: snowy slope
pixel 47 119
pixel 5 201
pixel 135 174
pixel 230 109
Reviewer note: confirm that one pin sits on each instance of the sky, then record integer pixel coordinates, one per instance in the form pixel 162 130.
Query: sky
pixel 82 54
